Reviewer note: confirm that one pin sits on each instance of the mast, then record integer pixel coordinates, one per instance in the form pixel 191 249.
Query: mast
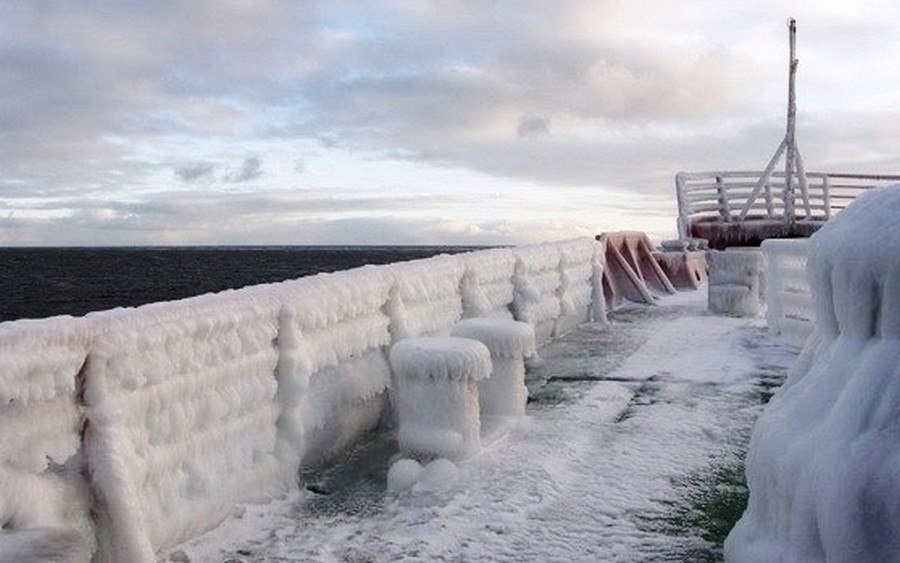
pixel 790 135
pixel 793 162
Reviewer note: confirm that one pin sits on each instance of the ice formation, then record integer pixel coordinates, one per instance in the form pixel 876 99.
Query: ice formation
pixel 536 283
pixel 789 307
pixel 734 282
pixel 425 298
pixel 403 474
pixel 487 288
pixel 437 475
pixel 503 394
pixel 436 395
pixel 182 420
pixel 824 456
pixel 332 372
pixel 176 412
pixel 41 486
pixel 580 285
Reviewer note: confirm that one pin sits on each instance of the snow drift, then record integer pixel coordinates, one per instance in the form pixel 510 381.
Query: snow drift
pixel 159 420
pixel 824 456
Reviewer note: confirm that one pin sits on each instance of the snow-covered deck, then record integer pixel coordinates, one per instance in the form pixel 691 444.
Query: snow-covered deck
pixel 632 450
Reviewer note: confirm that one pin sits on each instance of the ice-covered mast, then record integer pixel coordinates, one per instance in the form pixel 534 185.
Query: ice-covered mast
pixel 793 162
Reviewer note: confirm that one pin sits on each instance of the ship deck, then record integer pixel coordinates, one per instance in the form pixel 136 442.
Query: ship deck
pixel 632 450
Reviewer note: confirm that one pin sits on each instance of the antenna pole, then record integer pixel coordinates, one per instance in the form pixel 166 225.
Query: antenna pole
pixel 790 138
pixel 788 147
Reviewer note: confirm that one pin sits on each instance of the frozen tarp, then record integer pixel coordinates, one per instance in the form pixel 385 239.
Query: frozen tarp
pixel 631 271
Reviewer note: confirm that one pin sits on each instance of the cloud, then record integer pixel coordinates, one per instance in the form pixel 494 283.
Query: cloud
pixel 531 125
pixel 250 169
pixel 118 104
pixel 197 172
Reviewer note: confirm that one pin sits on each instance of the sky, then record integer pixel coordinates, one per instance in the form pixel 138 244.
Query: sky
pixel 413 121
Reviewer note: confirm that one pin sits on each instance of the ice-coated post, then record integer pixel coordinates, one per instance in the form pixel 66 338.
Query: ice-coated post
pixel 436 396
pixel 734 282
pixel 503 394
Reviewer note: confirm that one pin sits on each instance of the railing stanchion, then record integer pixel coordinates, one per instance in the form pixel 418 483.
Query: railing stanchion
pixel 724 210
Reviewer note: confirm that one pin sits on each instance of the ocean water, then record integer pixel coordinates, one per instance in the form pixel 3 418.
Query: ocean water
pixel 43 282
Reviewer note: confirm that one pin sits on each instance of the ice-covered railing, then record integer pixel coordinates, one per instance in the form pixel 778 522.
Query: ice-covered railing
pixel 725 197
pixel 823 461
pixel 128 431
pixel 790 308
pixel 181 410
pixel 41 426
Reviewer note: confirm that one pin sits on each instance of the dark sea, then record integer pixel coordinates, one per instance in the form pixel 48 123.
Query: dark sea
pixel 43 282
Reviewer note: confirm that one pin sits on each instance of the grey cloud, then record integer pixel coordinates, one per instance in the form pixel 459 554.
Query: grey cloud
pixel 531 125
pixel 250 169
pixel 196 172
pixel 228 218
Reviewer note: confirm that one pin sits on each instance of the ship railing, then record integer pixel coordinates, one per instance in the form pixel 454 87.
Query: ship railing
pixel 737 197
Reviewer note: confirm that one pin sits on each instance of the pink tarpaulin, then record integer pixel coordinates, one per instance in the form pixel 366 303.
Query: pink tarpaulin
pixel 631 271
pixel 686 269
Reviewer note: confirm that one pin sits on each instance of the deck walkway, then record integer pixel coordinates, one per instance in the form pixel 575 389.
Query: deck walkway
pixel 632 451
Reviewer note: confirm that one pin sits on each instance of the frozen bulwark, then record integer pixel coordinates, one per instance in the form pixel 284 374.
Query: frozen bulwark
pixel 160 420
pixel 824 462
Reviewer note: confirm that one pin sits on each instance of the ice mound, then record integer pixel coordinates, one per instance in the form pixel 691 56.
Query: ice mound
pixel 504 339
pixel 824 461
pixel 510 343
pixel 439 359
pixel 734 282
pixel 403 475
pixel 436 395
pixel 440 474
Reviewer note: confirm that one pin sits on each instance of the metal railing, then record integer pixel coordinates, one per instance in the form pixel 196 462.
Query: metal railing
pixel 789 302
pixel 733 197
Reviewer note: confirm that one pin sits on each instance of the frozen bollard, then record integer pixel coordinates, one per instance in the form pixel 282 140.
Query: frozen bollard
pixel 436 396
pixel 734 282
pixel 510 342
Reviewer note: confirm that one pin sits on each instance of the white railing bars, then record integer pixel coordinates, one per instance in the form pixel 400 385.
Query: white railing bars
pixel 733 196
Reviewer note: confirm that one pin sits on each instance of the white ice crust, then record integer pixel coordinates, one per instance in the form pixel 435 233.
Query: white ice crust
pixel 438 358
pixel 734 282
pixel 824 456
pixel 504 338
pixel 182 410
pixel 789 307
